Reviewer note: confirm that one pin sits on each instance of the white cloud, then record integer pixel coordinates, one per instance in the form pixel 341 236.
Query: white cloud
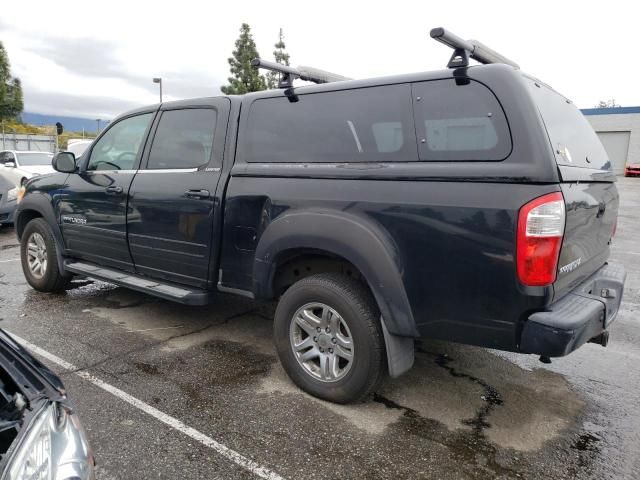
pixel 98 62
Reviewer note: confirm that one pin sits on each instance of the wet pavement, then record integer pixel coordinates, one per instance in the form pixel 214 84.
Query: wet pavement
pixel 461 412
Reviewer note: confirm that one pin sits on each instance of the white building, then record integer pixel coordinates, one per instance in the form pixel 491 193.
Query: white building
pixel 619 132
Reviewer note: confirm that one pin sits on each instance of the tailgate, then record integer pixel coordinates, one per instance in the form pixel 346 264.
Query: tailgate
pixel 587 184
pixel 592 211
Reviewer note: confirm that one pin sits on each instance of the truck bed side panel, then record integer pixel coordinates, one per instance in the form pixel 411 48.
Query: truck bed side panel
pixel 455 244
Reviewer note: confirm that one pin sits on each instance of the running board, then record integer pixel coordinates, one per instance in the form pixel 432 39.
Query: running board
pixel 157 288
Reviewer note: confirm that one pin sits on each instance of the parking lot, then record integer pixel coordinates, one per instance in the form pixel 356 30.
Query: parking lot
pixel 171 391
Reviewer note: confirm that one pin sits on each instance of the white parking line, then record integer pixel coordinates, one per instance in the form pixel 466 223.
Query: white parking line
pixel 12 260
pixel 174 423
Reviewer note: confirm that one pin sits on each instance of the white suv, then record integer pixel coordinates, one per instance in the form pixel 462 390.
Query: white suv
pixel 18 167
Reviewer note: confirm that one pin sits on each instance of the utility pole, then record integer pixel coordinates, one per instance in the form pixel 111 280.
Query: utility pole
pixel 98 120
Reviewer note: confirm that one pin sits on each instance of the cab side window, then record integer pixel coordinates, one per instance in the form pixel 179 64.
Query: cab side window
pixel 118 148
pixel 183 139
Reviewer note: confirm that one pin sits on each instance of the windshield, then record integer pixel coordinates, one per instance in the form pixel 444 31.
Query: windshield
pixel 78 148
pixel 37 158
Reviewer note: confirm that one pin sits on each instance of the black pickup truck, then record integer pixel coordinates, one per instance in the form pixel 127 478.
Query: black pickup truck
pixel 473 204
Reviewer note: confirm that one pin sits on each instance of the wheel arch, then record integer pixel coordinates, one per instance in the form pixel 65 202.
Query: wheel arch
pixel 37 205
pixel 346 238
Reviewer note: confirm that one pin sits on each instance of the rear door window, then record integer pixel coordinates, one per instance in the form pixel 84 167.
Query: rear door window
pixel 372 124
pixel 459 122
pixel 183 139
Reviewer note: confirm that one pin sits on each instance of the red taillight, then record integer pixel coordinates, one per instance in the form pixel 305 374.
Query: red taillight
pixel 540 232
pixel 615 228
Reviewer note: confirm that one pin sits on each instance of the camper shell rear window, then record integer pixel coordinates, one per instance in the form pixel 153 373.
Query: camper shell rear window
pixel 573 140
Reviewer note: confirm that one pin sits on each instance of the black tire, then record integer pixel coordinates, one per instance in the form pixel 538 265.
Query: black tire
pixel 356 306
pixel 52 280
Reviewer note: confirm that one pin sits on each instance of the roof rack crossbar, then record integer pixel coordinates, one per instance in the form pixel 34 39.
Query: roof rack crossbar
pixel 308 74
pixel 463 49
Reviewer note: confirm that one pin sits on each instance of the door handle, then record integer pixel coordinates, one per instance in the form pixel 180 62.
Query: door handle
pixel 197 194
pixel 114 190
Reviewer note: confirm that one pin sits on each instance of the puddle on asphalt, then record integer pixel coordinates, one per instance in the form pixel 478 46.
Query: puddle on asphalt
pixel 468 399
pixel 179 326
pixel 465 389
pixel 469 392
pixel 147 368
pixel 586 442
pixel 371 417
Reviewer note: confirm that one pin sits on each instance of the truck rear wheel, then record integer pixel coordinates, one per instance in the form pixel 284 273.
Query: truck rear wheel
pixel 329 339
pixel 39 259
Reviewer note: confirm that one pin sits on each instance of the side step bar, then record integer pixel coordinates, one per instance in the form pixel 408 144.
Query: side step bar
pixel 157 288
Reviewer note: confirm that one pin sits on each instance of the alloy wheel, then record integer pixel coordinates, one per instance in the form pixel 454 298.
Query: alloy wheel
pixel 321 342
pixel 37 255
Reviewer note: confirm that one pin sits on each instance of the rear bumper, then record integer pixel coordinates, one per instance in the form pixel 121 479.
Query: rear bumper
pixel 576 318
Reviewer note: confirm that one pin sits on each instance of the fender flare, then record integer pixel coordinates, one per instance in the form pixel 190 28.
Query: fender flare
pixel 356 239
pixel 41 204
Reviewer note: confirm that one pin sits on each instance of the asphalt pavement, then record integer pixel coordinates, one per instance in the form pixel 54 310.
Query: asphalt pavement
pixel 170 391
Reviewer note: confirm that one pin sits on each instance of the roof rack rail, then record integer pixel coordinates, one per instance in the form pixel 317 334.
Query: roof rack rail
pixel 309 74
pixel 463 49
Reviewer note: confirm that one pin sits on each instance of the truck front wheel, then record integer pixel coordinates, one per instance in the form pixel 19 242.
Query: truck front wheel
pixel 39 259
pixel 329 339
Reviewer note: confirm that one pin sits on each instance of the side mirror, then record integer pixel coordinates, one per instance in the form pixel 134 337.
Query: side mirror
pixel 10 164
pixel 64 162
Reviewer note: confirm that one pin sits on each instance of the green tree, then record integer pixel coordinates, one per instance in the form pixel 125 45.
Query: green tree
pixel 245 78
pixel 280 56
pixel 11 104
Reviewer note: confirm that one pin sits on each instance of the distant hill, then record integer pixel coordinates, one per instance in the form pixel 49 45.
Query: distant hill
pixel 71 124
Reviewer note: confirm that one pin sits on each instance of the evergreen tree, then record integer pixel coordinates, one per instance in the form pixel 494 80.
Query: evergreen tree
pixel 244 77
pixel 10 89
pixel 280 56
pixel 17 102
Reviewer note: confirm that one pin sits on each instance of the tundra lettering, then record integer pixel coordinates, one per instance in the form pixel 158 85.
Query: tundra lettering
pixel 571 266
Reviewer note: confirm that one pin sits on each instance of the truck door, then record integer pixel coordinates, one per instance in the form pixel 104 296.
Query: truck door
pixel 172 200
pixel 93 207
